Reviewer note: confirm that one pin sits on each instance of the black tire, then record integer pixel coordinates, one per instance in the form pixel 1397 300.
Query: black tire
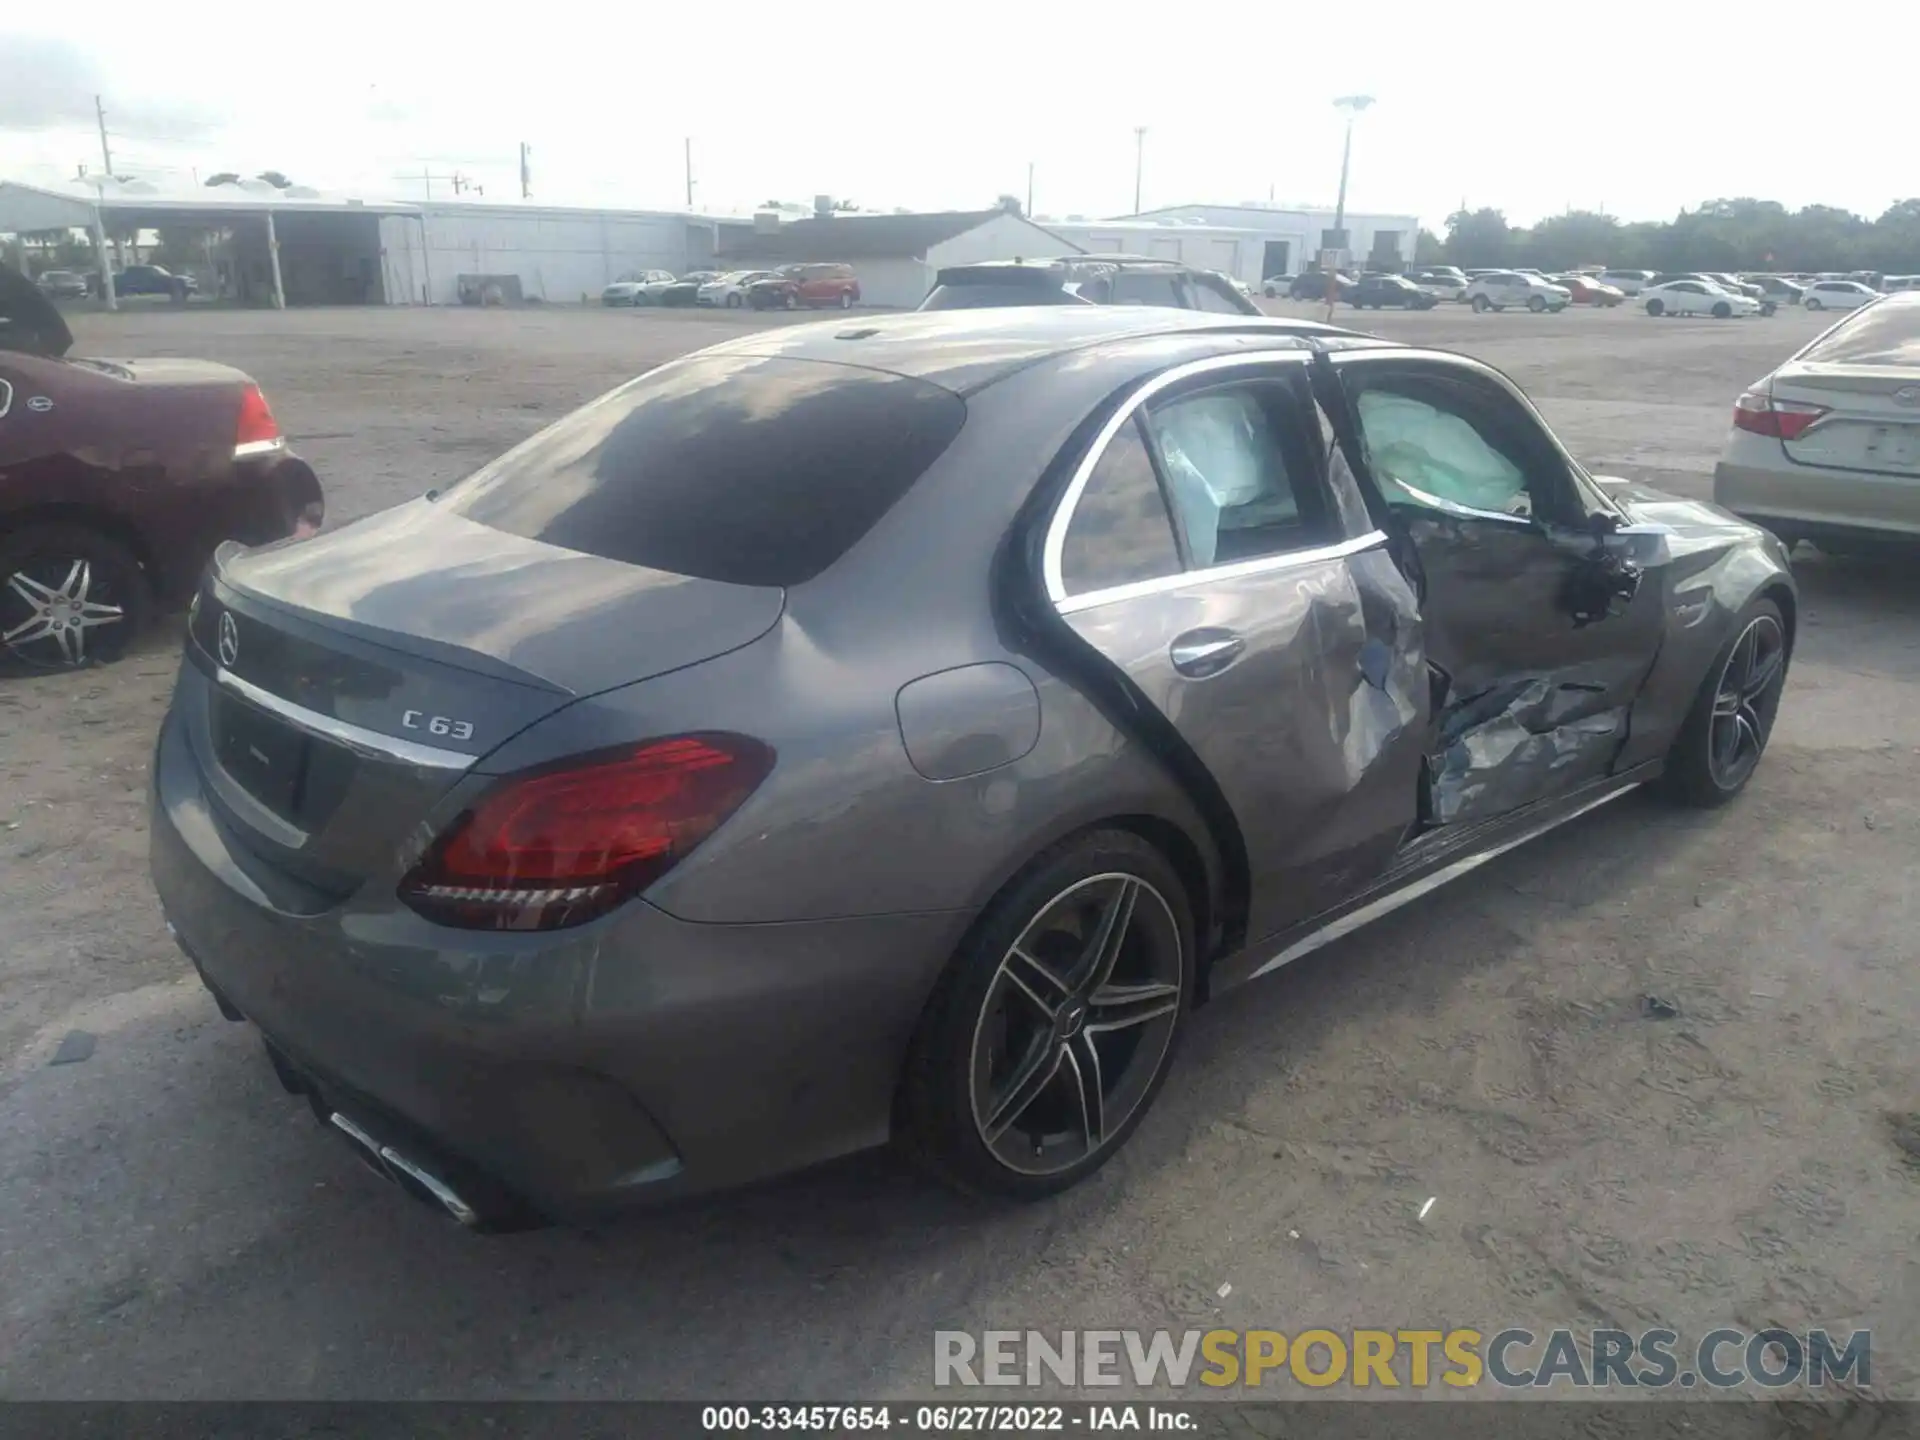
pixel 36 564
pixel 1697 771
pixel 1813 303
pixel 1481 304
pixel 977 1002
pixel 1656 307
pixel 1722 310
pixel 1536 303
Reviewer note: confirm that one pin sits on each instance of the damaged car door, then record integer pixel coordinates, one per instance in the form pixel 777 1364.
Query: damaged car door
pixel 1205 551
pixel 1541 619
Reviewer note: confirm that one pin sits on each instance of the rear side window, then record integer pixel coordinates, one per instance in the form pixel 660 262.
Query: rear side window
pixel 1120 532
pixel 1147 289
pixel 975 296
pixel 749 470
pixel 1883 334
pixel 1230 475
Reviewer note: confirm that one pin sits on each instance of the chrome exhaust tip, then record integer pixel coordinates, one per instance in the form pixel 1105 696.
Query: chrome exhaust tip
pixel 399 1169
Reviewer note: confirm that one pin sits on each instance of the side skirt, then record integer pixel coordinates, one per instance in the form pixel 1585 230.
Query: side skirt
pixel 1431 861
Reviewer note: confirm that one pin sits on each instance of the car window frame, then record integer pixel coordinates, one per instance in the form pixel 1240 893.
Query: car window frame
pixel 1191 377
pixel 1579 496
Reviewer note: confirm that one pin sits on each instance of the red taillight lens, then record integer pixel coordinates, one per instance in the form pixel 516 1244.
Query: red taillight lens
pixel 1759 412
pixel 258 430
pixel 559 847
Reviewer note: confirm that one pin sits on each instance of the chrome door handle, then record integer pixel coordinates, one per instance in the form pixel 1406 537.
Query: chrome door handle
pixel 1200 653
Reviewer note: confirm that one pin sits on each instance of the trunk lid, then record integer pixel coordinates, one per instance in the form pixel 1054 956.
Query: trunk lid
pixel 1873 419
pixel 354 680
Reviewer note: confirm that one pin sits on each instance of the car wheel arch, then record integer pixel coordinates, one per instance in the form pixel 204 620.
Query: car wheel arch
pixel 86 517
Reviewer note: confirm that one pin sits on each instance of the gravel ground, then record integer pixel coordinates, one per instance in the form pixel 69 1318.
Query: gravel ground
pixel 171 1225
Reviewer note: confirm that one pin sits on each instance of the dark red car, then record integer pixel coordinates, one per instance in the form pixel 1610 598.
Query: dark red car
pixel 1586 290
pixel 797 287
pixel 118 480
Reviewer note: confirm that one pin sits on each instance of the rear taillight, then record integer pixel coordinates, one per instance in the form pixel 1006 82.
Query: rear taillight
pixel 1760 413
pixel 258 432
pixel 559 847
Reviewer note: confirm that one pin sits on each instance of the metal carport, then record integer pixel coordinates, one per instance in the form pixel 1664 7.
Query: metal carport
pixel 134 204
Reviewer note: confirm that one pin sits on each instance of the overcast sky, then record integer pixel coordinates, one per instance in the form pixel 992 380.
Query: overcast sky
pixel 1640 108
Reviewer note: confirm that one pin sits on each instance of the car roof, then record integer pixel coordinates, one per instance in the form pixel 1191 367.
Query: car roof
pixel 967 350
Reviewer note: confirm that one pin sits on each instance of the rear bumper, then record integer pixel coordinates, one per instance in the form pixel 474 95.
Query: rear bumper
pixel 1757 482
pixel 634 1059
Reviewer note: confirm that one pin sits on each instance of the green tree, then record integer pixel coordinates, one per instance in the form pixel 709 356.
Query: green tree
pixel 1428 248
pixel 225 177
pixel 1478 237
pixel 1579 237
pixel 275 179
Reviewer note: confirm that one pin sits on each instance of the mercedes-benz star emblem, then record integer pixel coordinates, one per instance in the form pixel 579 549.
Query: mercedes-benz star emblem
pixel 229 639
pixel 1907 395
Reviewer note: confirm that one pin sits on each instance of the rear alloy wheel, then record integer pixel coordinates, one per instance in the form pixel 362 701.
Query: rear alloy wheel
pixel 733 302
pixel 1726 732
pixel 1536 303
pixel 69 597
pixel 1722 310
pixel 1050 1033
pixel 1813 303
pixel 1656 307
pixel 1481 304
pixel 846 299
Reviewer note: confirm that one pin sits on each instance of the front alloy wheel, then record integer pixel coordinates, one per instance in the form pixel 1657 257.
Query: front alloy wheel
pixel 1726 733
pixel 1746 700
pixel 1052 1029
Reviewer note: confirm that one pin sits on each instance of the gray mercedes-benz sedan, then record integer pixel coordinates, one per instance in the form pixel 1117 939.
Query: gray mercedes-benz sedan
pixel 894 730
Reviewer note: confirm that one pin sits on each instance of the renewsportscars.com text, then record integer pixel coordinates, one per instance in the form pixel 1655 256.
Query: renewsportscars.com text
pixel 1510 1359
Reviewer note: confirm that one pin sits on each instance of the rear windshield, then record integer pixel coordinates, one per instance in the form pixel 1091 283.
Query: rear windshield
pixel 1883 334
pixel 975 295
pixel 744 469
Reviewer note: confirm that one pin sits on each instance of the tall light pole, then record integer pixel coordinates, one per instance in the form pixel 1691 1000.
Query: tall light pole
pixel 1139 162
pixel 1352 105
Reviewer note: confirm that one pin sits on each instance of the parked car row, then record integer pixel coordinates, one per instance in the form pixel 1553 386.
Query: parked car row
pixel 129 280
pixel 791 287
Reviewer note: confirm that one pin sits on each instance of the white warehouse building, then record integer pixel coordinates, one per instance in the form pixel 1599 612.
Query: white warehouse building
pixel 1248 242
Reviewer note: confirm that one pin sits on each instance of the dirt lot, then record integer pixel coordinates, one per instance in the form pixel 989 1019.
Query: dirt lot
pixel 172 1225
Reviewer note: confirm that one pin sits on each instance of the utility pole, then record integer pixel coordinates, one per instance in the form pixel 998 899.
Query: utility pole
pixel 1353 105
pixel 689 172
pixel 106 153
pixel 1139 162
pixel 526 172
pixel 1029 189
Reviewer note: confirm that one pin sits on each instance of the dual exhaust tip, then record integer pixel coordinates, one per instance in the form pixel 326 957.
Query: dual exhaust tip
pixel 408 1174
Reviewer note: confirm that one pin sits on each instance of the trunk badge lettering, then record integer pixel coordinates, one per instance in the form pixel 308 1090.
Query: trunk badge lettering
pixel 229 639
pixel 1907 395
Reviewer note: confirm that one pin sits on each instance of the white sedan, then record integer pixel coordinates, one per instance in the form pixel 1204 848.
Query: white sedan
pixel 1838 295
pixel 729 289
pixel 1696 297
pixel 1441 284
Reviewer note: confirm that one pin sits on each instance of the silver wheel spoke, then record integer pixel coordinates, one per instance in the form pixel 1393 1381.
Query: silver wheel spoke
pixel 1096 964
pixel 1764 676
pixel 1121 1007
pixel 1726 702
pixel 1036 1072
pixel 1035 981
pixel 30 590
pixel 34 627
pixel 1083 1067
pixel 72 647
